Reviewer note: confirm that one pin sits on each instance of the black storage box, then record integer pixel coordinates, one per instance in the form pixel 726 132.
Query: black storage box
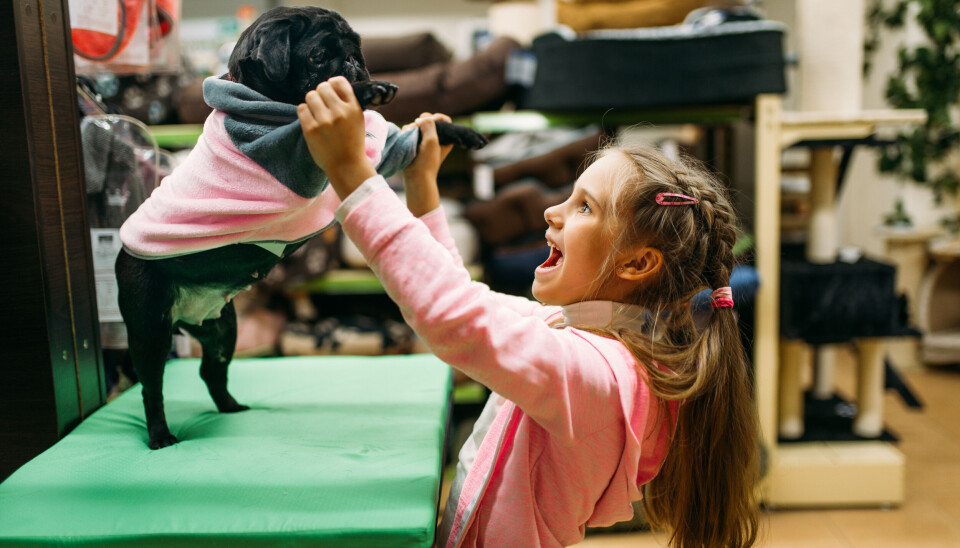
pixel 838 302
pixel 663 66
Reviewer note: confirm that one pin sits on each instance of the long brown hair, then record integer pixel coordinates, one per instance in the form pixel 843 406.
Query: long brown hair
pixel 705 493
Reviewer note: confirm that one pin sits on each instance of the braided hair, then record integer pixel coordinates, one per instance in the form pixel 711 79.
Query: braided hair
pixel 705 491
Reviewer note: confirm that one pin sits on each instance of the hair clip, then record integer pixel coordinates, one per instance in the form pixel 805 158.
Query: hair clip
pixel 722 298
pixel 686 200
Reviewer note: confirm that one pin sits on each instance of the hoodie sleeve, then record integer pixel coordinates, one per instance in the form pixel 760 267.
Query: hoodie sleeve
pixel 555 376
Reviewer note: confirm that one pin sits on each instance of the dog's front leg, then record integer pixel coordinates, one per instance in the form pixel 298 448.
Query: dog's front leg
pixel 455 134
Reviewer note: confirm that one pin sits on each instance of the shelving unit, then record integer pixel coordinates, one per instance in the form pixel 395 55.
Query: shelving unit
pixel 815 473
pixel 799 474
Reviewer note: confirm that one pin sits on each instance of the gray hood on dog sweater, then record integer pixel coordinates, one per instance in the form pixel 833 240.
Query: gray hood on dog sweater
pixel 268 132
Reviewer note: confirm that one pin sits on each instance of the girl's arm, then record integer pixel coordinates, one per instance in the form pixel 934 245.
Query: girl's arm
pixel 423 201
pixel 556 376
pixel 436 223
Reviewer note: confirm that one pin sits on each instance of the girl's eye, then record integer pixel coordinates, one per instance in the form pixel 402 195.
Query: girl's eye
pixel 584 208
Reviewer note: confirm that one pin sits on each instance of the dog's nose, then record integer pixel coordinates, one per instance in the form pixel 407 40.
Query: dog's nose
pixel 351 69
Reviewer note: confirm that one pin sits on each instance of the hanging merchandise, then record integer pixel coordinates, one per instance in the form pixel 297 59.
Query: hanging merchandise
pixel 125 36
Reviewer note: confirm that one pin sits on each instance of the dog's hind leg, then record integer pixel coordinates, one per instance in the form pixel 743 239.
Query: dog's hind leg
pixel 218 337
pixel 145 307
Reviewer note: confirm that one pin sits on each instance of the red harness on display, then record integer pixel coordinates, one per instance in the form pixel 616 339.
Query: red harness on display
pixel 101 46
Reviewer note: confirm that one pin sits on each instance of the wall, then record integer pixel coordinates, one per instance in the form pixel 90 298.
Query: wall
pixel 867 194
pixel 452 21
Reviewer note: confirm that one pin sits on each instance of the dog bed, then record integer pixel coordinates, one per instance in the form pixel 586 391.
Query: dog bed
pixel 662 66
pixel 335 451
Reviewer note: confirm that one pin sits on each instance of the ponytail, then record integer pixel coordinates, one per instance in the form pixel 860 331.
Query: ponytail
pixel 705 492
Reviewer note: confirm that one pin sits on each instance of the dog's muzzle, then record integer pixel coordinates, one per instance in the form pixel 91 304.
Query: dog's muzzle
pixel 353 71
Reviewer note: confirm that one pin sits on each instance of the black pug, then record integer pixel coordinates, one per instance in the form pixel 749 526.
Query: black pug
pixel 248 195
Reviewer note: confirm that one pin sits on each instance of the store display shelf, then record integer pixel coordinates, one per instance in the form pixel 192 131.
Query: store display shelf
pixel 531 120
pixel 356 282
pixel 176 135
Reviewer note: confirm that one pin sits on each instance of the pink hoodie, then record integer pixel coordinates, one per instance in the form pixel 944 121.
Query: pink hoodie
pixel 579 432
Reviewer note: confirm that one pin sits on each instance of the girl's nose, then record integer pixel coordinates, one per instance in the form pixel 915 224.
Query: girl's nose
pixel 552 216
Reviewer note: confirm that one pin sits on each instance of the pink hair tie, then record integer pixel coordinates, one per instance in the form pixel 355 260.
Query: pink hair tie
pixel 722 297
pixel 684 199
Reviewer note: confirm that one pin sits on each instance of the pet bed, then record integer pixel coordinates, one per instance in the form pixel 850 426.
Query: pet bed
pixel 335 451
pixel 662 66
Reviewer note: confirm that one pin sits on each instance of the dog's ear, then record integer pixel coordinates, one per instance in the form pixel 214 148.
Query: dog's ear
pixel 273 50
pixel 269 47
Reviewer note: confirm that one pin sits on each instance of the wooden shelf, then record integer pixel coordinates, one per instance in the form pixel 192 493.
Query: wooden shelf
pixel 185 135
pixel 836 473
pixel 810 126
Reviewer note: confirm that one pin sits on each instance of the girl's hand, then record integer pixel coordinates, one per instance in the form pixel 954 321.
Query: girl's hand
pixel 333 127
pixel 420 177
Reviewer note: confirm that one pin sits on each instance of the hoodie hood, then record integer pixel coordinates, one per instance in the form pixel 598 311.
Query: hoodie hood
pixel 647 436
pixel 646 442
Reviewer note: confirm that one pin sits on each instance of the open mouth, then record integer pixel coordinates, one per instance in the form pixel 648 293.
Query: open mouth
pixel 554 260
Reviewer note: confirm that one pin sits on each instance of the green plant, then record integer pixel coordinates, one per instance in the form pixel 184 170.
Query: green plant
pixel 928 78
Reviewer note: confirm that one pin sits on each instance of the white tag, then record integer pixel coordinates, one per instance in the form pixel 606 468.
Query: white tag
pixel 108 309
pixel 96 15
pixel 521 68
pixel 483 182
pixel 113 335
pixel 106 245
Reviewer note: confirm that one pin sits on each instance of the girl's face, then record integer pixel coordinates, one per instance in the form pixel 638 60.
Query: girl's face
pixel 579 242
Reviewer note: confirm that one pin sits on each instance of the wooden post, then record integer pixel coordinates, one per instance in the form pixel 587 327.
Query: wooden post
pixel 51 374
pixel 767 229
pixel 869 420
pixel 794 354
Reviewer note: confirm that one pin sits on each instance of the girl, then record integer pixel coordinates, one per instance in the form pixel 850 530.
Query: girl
pixel 605 389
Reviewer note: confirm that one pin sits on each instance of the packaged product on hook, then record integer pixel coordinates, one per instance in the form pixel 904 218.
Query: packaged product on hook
pixel 125 36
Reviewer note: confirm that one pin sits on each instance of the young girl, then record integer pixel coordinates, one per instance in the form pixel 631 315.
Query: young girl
pixel 604 392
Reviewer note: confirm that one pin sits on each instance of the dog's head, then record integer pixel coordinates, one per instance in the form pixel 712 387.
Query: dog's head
pixel 288 51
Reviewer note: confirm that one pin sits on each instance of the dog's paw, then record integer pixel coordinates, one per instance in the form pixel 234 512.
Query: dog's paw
pixel 235 408
pixel 374 93
pixel 162 440
pixel 453 134
pixel 226 404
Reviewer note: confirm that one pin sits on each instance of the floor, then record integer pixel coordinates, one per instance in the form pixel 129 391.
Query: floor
pixel 930 515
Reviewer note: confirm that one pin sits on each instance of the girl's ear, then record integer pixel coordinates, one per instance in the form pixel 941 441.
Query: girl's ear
pixel 644 263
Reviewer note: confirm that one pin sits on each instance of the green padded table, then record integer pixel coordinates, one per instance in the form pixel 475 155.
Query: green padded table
pixel 335 451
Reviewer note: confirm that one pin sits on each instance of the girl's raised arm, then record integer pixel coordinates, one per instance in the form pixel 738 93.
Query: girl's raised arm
pixel 554 375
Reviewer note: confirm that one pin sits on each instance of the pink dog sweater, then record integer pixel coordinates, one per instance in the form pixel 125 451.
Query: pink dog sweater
pixel 250 179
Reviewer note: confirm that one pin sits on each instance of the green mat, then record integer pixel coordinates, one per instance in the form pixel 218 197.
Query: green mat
pixel 335 451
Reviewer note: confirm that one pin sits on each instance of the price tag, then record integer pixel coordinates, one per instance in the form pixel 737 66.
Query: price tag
pixel 106 245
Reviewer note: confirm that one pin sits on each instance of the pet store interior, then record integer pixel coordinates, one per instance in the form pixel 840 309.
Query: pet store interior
pixel 834 125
